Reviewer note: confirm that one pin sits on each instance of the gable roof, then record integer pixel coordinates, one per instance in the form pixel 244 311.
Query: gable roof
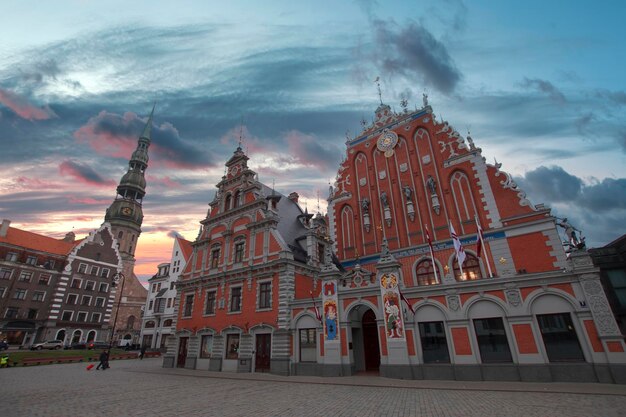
pixel 34 241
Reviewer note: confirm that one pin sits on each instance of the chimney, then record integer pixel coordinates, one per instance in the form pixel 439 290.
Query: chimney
pixel 294 197
pixel 69 237
pixel 4 229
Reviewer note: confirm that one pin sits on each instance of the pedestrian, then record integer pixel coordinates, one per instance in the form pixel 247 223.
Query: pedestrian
pixel 104 360
pixel 142 352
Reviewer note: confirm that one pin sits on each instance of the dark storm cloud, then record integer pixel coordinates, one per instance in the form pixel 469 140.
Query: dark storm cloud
pixel 553 184
pixel 545 87
pixel 41 70
pixel 413 52
pixel 84 173
pixel 616 97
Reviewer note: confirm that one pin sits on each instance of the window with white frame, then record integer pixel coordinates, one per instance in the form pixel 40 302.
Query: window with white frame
pixel 206 346
pixel 104 287
pixel 44 279
pixel 240 246
pixel 11 313
pixel 86 300
pixel 82 268
pixel 39 295
pixel 2 291
pixel 188 305
pixel 90 285
pixel 235 299
pixel 76 282
pixel 99 302
pixel 25 276
pixel 11 257
pixel 96 317
pixel 209 307
pixel 265 295
pixel 94 270
pixel 31 260
pixel 81 317
pixel 215 257
pixel 104 273
pixel 72 299
pixel 19 294
pixel 5 273
pixel 67 315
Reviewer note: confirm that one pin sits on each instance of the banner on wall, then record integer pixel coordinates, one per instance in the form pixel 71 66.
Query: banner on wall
pixel 330 311
pixel 392 310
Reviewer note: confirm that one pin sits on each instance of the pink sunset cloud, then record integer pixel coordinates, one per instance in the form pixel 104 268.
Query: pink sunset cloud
pixel 165 181
pixel 84 174
pixel 23 108
pixel 28 183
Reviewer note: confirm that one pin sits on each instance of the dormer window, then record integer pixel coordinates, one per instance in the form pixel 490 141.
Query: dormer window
pixel 236 199
pixel 227 202
pixel 215 257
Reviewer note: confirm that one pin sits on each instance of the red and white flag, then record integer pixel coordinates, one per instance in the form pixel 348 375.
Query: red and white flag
pixel 458 247
pixel 317 312
pixel 430 242
pixel 407 302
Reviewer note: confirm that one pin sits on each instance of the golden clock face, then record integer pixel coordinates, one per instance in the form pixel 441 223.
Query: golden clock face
pixel 127 211
pixel 386 142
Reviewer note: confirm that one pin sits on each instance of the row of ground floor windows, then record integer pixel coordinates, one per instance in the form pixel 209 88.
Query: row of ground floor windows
pixel 557 331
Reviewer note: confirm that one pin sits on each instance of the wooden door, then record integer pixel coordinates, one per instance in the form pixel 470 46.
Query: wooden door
pixel 182 352
pixel 263 352
pixel 371 350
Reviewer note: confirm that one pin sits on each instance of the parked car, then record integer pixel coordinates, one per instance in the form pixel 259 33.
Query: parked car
pixel 98 345
pixel 4 345
pixel 48 344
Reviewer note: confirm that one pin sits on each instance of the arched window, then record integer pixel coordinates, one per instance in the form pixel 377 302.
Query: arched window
pixel 347 230
pixel 463 198
pixel 227 202
pixel 120 234
pixel 425 273
pixel 167 323
pixel 91 336
pixel 149 324
pixel 236 199
pixel 471 269
pixel 130 322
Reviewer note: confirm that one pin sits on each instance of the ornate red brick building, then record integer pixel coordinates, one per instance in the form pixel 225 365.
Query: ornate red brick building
pixel 389 294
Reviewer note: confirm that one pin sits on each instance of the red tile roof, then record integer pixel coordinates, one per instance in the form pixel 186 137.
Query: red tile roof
pixel 34 241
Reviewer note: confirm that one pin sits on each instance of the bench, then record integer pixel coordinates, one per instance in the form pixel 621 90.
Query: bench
pixel 42 361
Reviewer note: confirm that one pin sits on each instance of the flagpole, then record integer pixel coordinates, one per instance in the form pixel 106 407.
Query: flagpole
pixel 482 242
pixel 432 255
pixel 457 254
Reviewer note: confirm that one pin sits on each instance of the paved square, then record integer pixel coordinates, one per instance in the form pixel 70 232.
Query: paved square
pixel 143 388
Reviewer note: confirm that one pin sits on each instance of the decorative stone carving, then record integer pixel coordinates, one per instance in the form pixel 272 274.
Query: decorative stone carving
pixel 599 306
pixel 454 303
pixel 382 175
pixel 404 167
pixel 513 297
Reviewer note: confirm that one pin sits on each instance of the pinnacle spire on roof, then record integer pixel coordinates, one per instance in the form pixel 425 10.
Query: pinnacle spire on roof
pixel 148 128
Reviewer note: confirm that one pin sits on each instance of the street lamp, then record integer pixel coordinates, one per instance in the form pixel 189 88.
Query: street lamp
pixel 116 279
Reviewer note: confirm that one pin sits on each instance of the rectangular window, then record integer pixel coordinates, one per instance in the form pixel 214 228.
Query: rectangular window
pixel 32 313
pixel 171 285
pixel 215 258
pixel 99 302
pixel 82 268
pixel 265 295
pixel 94 271
pixel 159 305
pixel 104 273
pixel 82 317
pixel 239 248
pixel 150 305
pixel 169 302
pixel 19 294
pixel 90 285
pixel 154 288
pixel 232 346
pixel 5 273
pixel 31 260
pixel 11 257
pixel 38 295
pixel 76 283
pixel 11 313
pixel 95 317
pixel 206 346
pixel 210 302
pixel 25 276
pixel 2 291
pixel 434 343
pixel 235 299
pixel 103 287
pixel 49 264
pixel 72 299
pixel 44 279
pixel 492 340
pixel 559 337
pixel 67 316
pixel 308 345
pixel 188 305
pixel 86 300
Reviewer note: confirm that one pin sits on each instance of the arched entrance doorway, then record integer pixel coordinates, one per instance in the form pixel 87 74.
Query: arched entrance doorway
pixel 61 335
pixel 364 345
pixel 91 336
pixel 76 336
pixel 371 351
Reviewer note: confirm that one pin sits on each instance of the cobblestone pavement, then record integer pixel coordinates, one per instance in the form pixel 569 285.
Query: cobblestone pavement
pixel 143 388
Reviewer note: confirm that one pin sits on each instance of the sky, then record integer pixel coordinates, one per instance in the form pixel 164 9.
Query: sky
pixel 540 85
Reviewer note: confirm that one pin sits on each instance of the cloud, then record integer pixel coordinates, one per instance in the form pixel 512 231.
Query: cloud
pixel 595 207
pixel 116 135
pixel 174 234
pixel 42 70
pixel 415 53
pixel 23 108
pixel 84 174
pixel 545 87
pixel 308 151
pixel 29 183
pixel 617 97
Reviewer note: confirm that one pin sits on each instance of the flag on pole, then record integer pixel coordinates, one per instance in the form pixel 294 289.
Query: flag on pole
pixel 479 238
pixel 458 247
pixel 317 312
pixel 406 301
pixel 430 242
pixel 432 254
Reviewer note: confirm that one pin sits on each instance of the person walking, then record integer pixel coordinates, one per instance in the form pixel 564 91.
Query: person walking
pixel 104 360
pixel 142 352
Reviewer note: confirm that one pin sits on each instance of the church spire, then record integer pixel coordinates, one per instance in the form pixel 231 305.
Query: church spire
pixel 125 213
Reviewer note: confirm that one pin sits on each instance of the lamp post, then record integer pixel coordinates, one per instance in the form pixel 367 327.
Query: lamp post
pixel 116 279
